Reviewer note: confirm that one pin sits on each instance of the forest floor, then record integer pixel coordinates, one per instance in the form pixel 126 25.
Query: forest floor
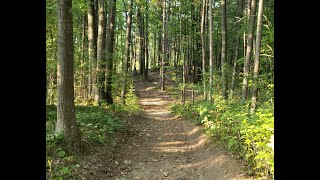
pixel 158 145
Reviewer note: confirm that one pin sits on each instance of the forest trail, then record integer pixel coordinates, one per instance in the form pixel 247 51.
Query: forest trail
pixel 163 146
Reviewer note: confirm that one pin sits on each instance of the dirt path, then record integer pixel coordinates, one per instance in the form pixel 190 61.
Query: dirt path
pixel 162 146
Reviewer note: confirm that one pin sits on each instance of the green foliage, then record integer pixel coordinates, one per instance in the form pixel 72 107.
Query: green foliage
pixel 247 135
pixel 131 105
pixel 61 153
pixel 96 124
pixel 183 110
pixel 61 168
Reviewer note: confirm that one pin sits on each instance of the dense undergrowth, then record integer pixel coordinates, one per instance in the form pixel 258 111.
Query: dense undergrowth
pixel 98 126
pixel 242 133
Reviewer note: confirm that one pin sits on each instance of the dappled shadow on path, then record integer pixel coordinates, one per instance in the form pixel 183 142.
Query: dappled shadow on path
pixel 164 146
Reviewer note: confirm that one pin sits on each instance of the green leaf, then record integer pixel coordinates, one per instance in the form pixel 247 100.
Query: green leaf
pixel 64 170
pixel 61 153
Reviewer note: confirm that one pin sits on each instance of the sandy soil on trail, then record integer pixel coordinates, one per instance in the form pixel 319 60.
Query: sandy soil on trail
pixel 159 145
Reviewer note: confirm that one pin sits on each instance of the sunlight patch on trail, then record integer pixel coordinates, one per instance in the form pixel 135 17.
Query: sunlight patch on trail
pixel 189 145
pixel 171 143
pixel 149 88
pixel 189 133
pixel 150 100
pixel 152 103
pixel 161 114
pixel 208 162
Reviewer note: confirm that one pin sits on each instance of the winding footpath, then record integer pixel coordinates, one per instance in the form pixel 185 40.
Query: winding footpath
pixel 163 146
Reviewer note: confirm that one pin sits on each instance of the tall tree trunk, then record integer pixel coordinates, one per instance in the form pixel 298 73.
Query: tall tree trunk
pixel 132 61
pixel 141 40
pixel 223 48
pixel 154 51
pixel 101 61
pixel 210 94
pixel 146 35
pixel 178 54
pixel 234 70
pixel 135 51
pixel 236 54
pixel 246 12
pixel 159 50
pixel 194 43
pixel 109 48
pixel 127 51
pixel 167 45
pixel 188 57
pixel 217 54
pixel 82 59
pixel 66 118
pixel 150 52
pixel 183 61
pixel 92 41
pixel 257 57
pixel 244 45
pixel 162 81
pixel 175 55
pixel 96 21
pixel 248 8
pixel 248 53
pixel 203 15
pixel 184 77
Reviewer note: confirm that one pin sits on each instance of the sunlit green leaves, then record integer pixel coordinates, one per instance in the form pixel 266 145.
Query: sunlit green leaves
pixel 242 133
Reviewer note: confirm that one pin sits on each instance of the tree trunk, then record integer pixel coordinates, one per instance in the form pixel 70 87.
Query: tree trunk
pixel 101 61
pixel 145 73
pixel 257 57
pixel 154 51
pixel 210 94
pixel 162 81
pixel 223 48
pixel 66 118
pixel 184 77
pixel 82 59
pixel 135 51
pixel 188 58
pixel 127 51
pixel 167 45
pixel 141 40
pixel 248 53
pixel 175 64
pixel 109 48
pixel 203 15
pixel 236 54
pixel 234 71
pixel 178 55
pixel 183 61
pixel 194 43
pixel 92 41
pixel 132 61
pixel 159 51
pixel 248 8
